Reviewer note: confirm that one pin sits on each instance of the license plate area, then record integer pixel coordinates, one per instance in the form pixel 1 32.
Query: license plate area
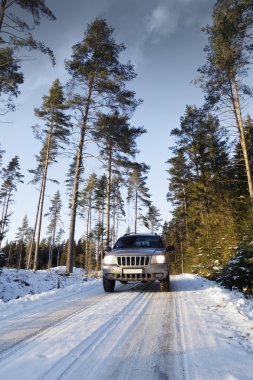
pixel 133 271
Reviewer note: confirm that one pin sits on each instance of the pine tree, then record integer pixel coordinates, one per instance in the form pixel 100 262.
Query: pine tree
pixel 116 139
pixel 137 189
pixel 180 188
pixel 229 52
pixel 55 222
pixel 56 132
pixel 152 219
pixel 60 244
pixel 97 81
pixel 11 177
pixel 17 32
pixel 10 79
pixel 87 202
pixel 23 237
pixel 100 201
pixel 1 159
pixel 117 202
pixel 201 190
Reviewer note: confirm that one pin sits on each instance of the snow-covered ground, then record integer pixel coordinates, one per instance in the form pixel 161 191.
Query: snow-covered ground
pixel 15 284
pixel 197 331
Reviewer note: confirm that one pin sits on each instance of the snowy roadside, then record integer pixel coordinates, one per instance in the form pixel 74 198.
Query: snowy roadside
pixel 204 332
pixel 21 287
pixel 223 297
pixel 216 328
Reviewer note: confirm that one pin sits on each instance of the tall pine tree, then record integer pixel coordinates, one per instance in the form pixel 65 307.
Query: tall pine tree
pixel 97 81
pixel 56 132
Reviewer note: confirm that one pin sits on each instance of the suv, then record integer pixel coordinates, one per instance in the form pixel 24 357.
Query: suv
pixel 137 257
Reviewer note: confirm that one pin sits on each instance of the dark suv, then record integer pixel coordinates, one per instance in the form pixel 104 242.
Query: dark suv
pixel 137 257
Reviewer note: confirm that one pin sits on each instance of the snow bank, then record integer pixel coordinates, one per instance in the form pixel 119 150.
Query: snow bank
pixel 22 286
pixel 222 296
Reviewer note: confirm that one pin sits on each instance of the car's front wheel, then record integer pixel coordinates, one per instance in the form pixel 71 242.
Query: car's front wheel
pixel 165 284
pixel 108 285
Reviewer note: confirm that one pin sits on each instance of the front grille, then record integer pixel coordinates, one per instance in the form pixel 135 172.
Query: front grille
pixel 133 261
pixel 134 277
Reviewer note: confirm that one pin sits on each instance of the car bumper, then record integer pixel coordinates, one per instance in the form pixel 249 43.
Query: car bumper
pixel 149 273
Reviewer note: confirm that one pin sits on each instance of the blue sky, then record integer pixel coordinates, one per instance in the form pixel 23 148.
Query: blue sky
pixel 164 41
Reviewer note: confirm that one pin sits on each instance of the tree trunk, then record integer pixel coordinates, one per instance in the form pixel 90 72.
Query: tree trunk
pixel 99 253
pixel 43 188
pixel 87 245
pixel 33 237
pixel 102 237
pixel 2 218
pixel 113 232
pixel 136 210
pixel 117 224
pixel 58 255
pixel 51 250
pixel 3 9
pixel 20 256
pixel 108 199
pixel 69 263
pixel 186 217
pixel 239 122
pixel 5 214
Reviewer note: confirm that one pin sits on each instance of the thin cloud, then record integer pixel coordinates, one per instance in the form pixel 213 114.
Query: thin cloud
pixel 163 22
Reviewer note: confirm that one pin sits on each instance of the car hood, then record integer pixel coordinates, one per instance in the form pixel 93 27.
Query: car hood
pixel 138 251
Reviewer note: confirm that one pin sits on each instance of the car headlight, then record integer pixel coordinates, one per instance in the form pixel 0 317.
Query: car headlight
pixel 109 260
pixel 158 259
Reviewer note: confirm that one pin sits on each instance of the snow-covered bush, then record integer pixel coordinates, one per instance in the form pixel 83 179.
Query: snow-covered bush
pixel 238 273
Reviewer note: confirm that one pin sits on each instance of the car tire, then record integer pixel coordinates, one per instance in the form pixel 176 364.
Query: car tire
pixel 165 284
pixel 108 285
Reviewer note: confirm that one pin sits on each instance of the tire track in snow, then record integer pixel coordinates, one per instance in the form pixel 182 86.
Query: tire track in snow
pixel 180 345
pixel 209 350
pixel 32 324
pixel 137 343
pixel 66 368
pixel 127 335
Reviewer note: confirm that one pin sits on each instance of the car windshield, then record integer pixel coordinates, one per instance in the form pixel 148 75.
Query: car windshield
pixel 139 242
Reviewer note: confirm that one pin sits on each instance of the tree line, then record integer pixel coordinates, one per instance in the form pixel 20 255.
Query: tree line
pixel 94 106
pixel 211 163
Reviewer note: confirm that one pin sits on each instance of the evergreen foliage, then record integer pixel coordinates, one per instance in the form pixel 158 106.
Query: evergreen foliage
pixel 138 192
pixel 102 106
pixel 54 133
pixel 229 52
pixel 211 174
pixel 117 142
pixel 152 219
pixel 11 176
pixel 96 90
pixel 23 239
pixel 237 273
pixel 55 222
pixel 17 21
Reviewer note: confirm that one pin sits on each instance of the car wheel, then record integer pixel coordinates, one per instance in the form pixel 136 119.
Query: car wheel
pixel 108 285
pixel 165 284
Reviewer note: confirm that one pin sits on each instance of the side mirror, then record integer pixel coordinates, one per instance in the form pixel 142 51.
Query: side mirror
pixel 170 248
pixel 108 249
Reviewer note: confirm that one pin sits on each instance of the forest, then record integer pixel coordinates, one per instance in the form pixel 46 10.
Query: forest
pixel 210 167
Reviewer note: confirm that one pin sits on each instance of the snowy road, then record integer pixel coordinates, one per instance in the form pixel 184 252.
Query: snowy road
pixel 194 332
